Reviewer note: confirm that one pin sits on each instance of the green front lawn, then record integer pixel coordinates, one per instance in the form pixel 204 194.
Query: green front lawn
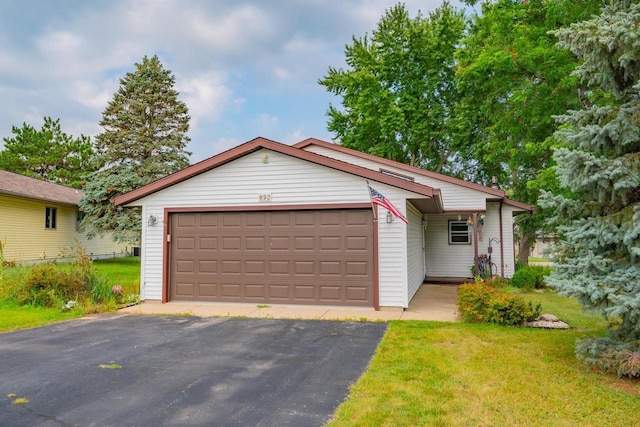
pixel 457 374
pixel 121 271
pixel 13 317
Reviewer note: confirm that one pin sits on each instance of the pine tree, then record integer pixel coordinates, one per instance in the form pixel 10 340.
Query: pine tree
pixel 144 139
pixel 597 211
pixel 48 154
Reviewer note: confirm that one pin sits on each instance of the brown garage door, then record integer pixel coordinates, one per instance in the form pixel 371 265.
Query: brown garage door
pixel 292 257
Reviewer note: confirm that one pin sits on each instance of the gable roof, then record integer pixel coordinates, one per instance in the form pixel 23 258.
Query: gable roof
pixel 413 169
pixel 262 143
pixel 23 186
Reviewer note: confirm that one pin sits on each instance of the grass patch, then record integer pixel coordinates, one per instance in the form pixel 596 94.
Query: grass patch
pixel 459 374
pixel 110 366
pixel 538 259
pixel 121 271
pixel 20 317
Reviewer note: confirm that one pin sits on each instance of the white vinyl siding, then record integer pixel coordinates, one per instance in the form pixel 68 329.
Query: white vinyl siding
pixel 289 181
pixel 507 224
pixel 455 197
pixel 415 257
pixel 491 230
pixel 443 259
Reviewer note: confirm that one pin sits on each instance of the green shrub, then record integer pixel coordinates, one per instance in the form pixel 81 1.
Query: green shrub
pixel 540 272
pixel 620 358
pixel 482 303
pixel 523 279
pixel 50 285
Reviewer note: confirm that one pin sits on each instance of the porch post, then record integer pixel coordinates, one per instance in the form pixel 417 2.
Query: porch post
pixel 475 243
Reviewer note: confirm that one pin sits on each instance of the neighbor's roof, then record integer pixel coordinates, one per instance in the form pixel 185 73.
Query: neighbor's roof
pixel 19 185
pixel 262 143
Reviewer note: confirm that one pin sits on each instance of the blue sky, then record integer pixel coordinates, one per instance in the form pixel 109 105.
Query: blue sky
pixel 244 68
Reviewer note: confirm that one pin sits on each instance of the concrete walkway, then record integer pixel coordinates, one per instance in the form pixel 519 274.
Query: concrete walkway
pixel 432 302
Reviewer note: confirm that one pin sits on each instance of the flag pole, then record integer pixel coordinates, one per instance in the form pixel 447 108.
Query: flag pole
pixel 373 206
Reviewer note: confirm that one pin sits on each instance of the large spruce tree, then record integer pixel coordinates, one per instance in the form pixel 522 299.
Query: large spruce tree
pixel 597 211
pixel 144 139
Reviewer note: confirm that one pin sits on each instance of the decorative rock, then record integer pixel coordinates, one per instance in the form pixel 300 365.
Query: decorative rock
pixel 548 321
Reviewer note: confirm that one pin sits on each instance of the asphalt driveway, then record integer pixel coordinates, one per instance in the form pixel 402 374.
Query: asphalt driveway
pixel 181 371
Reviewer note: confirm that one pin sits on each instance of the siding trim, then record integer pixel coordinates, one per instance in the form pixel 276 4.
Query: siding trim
pixel 376 265
pixel 268 207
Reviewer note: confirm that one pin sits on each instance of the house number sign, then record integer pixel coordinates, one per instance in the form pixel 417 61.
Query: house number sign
pixel 264 197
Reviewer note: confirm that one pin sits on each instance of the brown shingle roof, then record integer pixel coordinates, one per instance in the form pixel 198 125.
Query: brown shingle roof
pixel 24 186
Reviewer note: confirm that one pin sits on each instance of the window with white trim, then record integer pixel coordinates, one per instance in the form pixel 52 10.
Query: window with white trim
pixel 459 233
pixel 50 215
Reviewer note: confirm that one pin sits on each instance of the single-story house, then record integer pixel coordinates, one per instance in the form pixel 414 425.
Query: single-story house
pixel 270 223
pixel 40 221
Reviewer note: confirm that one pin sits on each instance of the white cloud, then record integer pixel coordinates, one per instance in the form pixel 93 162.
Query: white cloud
pixel 206 96
pixel 294 137
pixel 266 123
pixel 95 95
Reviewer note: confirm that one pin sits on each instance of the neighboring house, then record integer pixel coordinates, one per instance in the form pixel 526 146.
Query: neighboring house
pixel 270 223
pixel 40 220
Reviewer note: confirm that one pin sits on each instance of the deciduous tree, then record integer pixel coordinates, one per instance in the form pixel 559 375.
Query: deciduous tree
pixel 513 79
pixel 398 92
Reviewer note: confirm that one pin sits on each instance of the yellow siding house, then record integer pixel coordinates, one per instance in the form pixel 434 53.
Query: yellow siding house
pixel 39 220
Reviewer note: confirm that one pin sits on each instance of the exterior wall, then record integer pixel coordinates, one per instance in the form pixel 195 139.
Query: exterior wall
pixel 22 228
pixel 415 250
pixel 454 197
pixel 103 247
pixel 491 233
pixel 443 259
pixel 508 244
pixel 289 181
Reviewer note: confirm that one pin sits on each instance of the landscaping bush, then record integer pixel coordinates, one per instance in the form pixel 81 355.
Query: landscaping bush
pixel 483 303
pixel 523 279
pixel 50 285
pixel 620 358
pixel 540 272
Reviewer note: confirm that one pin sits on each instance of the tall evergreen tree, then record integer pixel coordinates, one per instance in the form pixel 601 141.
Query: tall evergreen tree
pixel 49 154
pixel 597 213
pixel 144 139
pixel 398 92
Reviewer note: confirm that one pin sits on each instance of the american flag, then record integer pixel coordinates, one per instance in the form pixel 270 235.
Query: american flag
pixel 379 199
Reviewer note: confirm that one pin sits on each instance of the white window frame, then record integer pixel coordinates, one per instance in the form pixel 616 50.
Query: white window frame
pixel 458 232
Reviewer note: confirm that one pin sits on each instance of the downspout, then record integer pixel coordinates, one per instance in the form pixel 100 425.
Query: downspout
pixel 501 241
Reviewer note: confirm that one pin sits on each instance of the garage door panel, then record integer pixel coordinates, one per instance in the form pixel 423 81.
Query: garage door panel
pixel 303 257
pixel 207 243
pixel 255 243
pixel 209 290
pixel 279 243
pixel 207 266
pixel 356 294
pixel 255 267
